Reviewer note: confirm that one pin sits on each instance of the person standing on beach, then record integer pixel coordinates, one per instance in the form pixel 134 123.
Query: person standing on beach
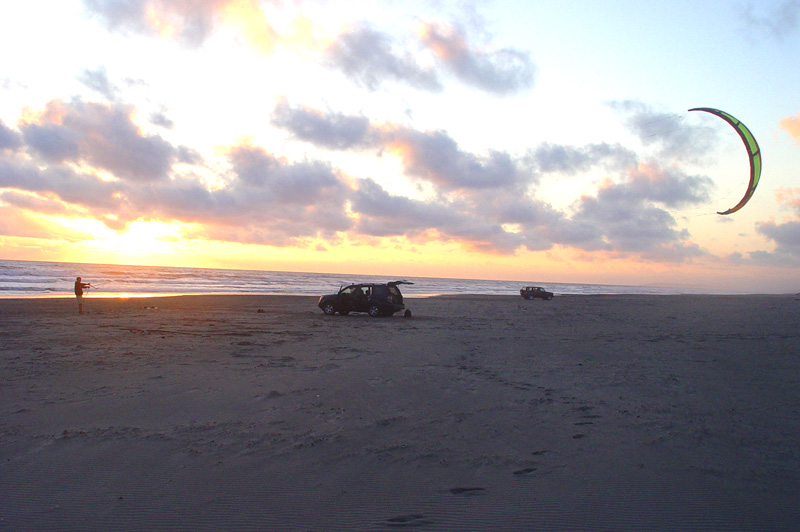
pixel 79 286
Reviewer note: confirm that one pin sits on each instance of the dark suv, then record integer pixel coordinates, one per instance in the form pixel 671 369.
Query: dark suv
pixel 375 298
pixel 532 292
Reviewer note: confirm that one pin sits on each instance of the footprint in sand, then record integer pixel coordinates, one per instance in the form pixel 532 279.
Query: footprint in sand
pixel 467 491
pixel 408 521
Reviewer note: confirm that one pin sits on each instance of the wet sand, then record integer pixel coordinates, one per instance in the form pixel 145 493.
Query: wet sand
pixel 241 413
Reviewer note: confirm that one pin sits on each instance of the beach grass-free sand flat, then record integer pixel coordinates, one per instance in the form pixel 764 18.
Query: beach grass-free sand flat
pixel 253 413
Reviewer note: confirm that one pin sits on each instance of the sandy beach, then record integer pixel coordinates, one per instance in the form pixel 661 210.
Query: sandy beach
pixel 254 413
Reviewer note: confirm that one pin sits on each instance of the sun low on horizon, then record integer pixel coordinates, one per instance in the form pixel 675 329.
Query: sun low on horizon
pixel 458 139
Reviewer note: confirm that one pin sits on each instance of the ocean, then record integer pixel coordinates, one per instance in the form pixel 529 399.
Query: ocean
pixel 56 279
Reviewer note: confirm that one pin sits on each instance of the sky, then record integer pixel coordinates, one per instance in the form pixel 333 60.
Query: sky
pixel 532 140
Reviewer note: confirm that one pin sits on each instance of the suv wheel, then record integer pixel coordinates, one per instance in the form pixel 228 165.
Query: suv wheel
pixel 374 311
pixel 329 309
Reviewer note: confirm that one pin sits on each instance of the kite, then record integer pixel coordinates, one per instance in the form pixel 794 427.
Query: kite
pixel 753 152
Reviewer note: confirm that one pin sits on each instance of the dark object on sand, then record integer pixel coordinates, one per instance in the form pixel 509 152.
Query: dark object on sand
pixel 407 314
pixel 533 292
pixel 377 299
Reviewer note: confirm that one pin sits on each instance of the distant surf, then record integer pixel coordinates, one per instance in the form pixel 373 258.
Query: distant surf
pixel 55 279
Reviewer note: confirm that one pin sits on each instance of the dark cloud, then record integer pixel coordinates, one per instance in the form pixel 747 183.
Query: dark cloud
pixel 435 157
pixel 626 226
pixel 267 200
pixel 370 58
pixel 432 156
pixel 485 201
pixel 329 130
pixel 161 119
pixel 190 22
pixel 9 139
pixel 382 214
pixel 501 72
pixel 571 160
pixel 260 199
pixel 188 155
pixel 490 205
pixel 669 186
pixel 58 181
pixel 300 183
pixel 628 219
pixel 98 81
pixel 786 237
pixel 525 220
pixel 53 143
pixel 101 135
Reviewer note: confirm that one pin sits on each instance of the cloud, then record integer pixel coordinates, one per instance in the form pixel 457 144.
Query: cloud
pixel 500 72
pixel 268 201
pixel 98 81
pixel 84 190
pixel 52 142
pixel 432 156
pixel 570 160
pixel 382 214
pixel 628 219
pixel 260 199
pixel 620 219
pixel 161 119
pixel 188 22
pixel 483 201
pixel 299 183
pixel 791 124
pixel 786 237
pixel 328 130
pixel 100 135
pixel 668 186
pixel 780 22
pixel 186 155
pixel 32 202
pixel 9 139
pixel 371 57
pixel 669 134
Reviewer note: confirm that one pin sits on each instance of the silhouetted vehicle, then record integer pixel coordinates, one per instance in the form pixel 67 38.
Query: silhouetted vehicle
pixel 533 292
pixel 377 299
